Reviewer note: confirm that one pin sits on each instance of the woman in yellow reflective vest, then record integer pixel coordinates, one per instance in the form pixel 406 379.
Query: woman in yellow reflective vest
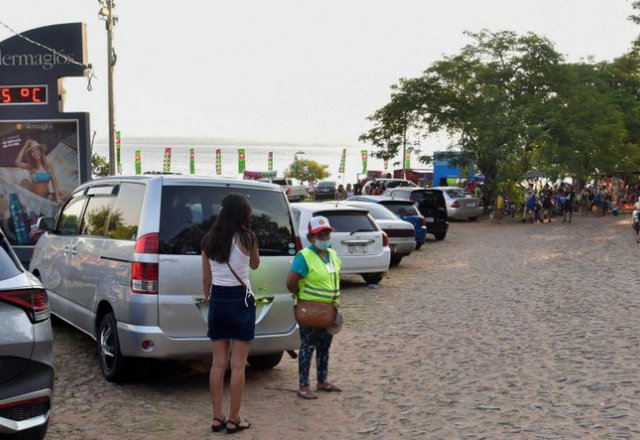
pixel 315 276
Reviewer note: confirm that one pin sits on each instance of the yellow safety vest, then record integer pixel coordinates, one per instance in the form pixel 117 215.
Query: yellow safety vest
pixel 320 284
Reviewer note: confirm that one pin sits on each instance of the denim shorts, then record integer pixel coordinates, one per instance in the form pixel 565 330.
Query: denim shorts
pixel 230 317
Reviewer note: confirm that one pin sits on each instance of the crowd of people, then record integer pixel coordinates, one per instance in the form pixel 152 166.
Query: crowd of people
pixel 542 203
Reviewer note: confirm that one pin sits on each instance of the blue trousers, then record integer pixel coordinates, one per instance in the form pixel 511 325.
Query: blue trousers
pixel 313 339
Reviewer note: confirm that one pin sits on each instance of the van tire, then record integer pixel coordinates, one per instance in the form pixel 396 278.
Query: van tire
pixel 396 259
pixel 440 235
pixel 265 361
pixel 372 278
pixel 418 246
pixel 112 363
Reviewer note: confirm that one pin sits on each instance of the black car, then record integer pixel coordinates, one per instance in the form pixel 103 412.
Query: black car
pixel 326 190
pixel 431 205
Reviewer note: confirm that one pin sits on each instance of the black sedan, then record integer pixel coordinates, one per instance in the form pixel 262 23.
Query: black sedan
pixel 326 190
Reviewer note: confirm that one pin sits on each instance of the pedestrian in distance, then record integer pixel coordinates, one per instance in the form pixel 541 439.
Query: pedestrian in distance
pixel 229 250
pixel 315 276
pixel 569 199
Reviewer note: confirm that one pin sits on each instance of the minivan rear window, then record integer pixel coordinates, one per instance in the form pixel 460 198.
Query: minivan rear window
pixel 187 213
pixel 349 221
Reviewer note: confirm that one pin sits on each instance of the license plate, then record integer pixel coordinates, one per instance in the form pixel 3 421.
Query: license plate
pixel 358 249
pixel 469 205
pixel 429 219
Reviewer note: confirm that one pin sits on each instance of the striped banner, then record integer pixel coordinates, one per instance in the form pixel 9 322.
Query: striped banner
pixel 166 164
pixel 138 162
pixel 343 161
pixel 241 160
pixel 218 161
pixel 365 156
pixel 192 161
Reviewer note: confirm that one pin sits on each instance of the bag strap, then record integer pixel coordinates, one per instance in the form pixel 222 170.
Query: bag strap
pixel 236 275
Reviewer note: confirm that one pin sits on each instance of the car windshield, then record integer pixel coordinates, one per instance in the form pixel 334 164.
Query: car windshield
pixel 457 193
pixel 326 184
pixel 189 211
pixel 349 221
pixel 379 212
pixel 402 209
pixel 8 265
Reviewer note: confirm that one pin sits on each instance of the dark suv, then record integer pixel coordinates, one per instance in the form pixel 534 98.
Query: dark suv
pixel 26 352
pixel 430 203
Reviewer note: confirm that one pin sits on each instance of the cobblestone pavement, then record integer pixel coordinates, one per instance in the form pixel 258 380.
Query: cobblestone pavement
pixel 500 331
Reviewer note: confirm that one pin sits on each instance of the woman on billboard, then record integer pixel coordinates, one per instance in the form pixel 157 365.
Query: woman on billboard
pixel 32 158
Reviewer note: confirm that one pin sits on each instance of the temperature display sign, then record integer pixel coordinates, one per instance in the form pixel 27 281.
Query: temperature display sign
pixel 21 95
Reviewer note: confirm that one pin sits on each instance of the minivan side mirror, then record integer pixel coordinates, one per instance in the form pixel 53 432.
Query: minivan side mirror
pixel 45 224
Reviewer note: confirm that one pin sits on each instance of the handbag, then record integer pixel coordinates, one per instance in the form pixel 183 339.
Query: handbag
pixel 315 314
pixel 247 288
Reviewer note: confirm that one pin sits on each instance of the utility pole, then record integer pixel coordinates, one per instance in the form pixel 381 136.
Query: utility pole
pixel 106 13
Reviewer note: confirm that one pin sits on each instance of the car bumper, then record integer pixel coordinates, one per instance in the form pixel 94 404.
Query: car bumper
pixel 402 247
pixel 364 264
pixel 165 347
pixel 25 400
pixel 464 213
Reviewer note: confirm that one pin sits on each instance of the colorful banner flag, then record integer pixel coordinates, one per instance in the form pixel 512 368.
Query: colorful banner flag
pixel 118 152
pixel 138 163
pixel 219 161
pixel 365 156
pixel 166 165
pixel 192 161
pixel 241 160
pixel 270 161
pixel 343 161
pixel 407 159
pixel 386 164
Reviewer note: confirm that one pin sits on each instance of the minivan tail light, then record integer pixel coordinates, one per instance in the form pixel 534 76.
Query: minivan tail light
pixel 144 275
pixel 385 239
pixel 455 204
pixel 33 301
pixel 148 244
pixel 298 243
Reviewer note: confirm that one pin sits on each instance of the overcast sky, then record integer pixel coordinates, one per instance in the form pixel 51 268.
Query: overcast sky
pixel 291 71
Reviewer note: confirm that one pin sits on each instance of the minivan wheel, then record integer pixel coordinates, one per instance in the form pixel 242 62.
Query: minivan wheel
pixel 112 363
pixel 395 260
pixel 418 246
pixel 440 235
pixel 372 278
pixel 265 361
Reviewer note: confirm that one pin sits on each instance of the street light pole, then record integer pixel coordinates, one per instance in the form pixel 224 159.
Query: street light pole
pixel 106 12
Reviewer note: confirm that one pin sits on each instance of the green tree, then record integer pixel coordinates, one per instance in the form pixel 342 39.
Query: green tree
pixel 304 170
pixel 396 125
pixel 99 166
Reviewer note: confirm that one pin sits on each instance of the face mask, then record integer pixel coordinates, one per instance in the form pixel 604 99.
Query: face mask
pixel 323 244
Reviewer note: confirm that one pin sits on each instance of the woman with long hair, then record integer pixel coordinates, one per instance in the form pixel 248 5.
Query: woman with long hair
pixel 229 249
pixel 32 158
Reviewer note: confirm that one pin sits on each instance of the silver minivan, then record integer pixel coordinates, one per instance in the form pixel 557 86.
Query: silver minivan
pixel 121 262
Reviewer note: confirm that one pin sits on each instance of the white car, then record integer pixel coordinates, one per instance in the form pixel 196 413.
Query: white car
pixel 460 204
pixel 359 242
pixel 402 234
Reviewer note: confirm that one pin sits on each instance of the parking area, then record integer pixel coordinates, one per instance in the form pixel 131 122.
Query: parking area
pixel 499 331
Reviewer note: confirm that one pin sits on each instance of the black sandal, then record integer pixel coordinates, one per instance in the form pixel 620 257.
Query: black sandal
pixel 237 427
pixel 219 427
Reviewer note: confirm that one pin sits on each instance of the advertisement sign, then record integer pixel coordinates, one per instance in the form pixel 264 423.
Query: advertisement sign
pixel 241 160
pixel 39 168
pixel 364 154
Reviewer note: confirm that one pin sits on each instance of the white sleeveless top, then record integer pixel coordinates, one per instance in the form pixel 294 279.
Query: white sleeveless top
pixel 222 275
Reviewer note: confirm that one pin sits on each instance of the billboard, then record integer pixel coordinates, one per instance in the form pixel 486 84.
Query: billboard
pixel 39 168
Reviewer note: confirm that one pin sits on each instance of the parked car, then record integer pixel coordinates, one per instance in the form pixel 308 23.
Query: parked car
pixel 401 233
pixel 460 204
pixel 326 190
pixel 122 263
pixel 380 185
pixel 404 210
pixel 431 204
pixel 26 350
pixel 358 241
pixel 295 193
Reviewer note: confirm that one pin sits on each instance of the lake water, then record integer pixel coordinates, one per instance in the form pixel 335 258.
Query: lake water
pixel 255 159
